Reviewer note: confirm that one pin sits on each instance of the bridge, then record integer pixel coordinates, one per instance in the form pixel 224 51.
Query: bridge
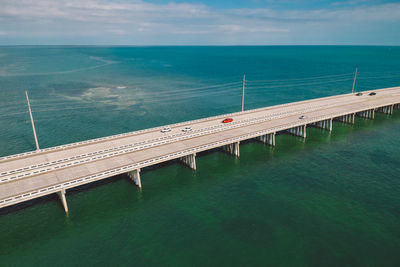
pixel 52 170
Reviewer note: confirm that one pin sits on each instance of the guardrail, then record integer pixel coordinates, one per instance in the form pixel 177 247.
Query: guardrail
pixel 139 145
pixel 111 151
pixel 76 144
pixel 112 172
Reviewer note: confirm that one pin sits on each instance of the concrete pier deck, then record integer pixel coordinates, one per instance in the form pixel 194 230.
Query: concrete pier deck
pixel 54 170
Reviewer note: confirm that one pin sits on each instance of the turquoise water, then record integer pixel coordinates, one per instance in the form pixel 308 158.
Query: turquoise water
pixel 331 200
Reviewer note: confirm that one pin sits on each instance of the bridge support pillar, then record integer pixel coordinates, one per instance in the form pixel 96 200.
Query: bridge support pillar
pixel 268 139
pixel 300 131
pixel 63 199
pixel 189 160
pixel 349 118
pixel 366 114
pixel 388 110
pixel 396 106
pixel 135 176
pixel 232 149
pixel 325 124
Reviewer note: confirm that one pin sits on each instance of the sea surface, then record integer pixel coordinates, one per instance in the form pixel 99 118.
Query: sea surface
pixel 330 200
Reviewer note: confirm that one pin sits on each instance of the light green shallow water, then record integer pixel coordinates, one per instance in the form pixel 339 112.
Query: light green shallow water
pixel 331 200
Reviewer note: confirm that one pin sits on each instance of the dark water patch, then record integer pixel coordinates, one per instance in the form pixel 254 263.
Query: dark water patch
pixel 27 204
pixel 382 157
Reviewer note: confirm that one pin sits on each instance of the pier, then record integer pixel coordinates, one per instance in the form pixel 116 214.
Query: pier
pixel 54 170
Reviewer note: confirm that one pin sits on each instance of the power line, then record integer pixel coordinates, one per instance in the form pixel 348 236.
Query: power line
pixel 307 78
pixel 298 84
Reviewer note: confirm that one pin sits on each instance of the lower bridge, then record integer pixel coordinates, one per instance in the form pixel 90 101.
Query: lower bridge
pixel 52 170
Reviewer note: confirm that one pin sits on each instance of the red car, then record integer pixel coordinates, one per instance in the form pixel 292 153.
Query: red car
pixel 227 120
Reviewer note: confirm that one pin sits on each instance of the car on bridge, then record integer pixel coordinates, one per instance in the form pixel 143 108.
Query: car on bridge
pixel 166 129
pixel 372 93
pixel 187 129
pixel 359 94
pixel 227 120
pixel 303 117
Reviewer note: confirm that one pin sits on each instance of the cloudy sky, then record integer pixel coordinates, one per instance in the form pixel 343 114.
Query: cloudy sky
pixel 199 22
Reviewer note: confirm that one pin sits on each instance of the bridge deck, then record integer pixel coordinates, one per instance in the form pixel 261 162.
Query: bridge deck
pixel 33 174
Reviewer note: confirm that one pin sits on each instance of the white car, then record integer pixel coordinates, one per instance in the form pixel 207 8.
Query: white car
pixel 166 129
pixel 302 117
pixel 187 129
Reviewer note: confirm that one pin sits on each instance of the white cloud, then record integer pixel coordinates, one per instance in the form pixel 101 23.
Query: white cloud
pixel 139 22
pixel 6 33
pixel 236 28
pixel 117 31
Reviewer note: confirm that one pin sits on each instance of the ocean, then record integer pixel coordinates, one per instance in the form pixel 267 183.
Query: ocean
pixel 330 200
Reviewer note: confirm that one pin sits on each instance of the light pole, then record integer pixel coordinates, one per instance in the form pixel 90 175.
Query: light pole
pixel 244 84
pixel 354 82
pixel 33 124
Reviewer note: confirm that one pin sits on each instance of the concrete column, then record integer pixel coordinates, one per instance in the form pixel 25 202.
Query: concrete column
pixel 366 114
pixel 189 160
pixel 228 148
pixel 349 118
pixel 268 139
pixel 262 138
pixel 236 150
pixel 135 176
pixel 388 110
pixel 298 131
pixel 63 199
pixel 232 149
pixel 325 124
pixel 271 139
pixel 292 131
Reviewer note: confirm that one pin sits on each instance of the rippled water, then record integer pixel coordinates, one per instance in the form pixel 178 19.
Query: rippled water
pixel 332 199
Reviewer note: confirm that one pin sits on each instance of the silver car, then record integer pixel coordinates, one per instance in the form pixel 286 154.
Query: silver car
pixel 166 129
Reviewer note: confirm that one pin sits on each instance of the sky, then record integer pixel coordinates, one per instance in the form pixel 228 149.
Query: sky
pixel 199 22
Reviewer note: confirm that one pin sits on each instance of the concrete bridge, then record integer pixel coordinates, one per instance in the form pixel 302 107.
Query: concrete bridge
pixel 55 170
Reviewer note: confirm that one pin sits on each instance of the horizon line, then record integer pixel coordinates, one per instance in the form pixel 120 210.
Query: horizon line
pixel 196 45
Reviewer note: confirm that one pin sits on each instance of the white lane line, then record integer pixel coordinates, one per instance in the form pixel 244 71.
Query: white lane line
pixel 115 137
